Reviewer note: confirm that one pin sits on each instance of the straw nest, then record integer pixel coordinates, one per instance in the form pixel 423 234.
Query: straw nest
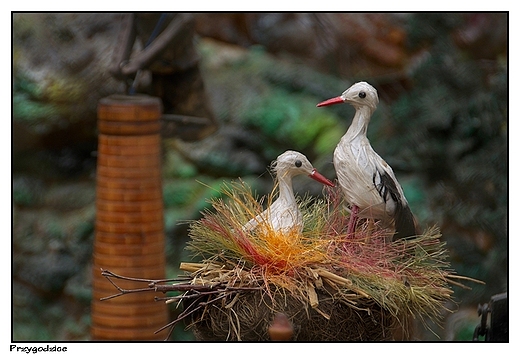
pixel 332 286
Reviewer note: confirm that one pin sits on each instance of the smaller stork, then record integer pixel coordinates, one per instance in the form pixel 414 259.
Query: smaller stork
pixel 284 214
pixel 367 181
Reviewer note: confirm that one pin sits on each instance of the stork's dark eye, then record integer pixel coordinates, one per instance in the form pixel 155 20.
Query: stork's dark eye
pixel 362 94
pixel 298 163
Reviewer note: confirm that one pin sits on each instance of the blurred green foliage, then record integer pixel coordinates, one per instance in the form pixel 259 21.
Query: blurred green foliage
pixel 291 118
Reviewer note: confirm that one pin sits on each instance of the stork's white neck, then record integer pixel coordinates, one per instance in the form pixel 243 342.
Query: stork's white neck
pixel 285 189
pixel 358 127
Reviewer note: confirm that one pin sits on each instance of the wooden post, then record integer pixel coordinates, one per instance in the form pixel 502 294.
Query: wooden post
pixel 129 232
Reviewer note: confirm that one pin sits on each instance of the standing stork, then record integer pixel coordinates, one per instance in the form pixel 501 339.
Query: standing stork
pixel 367 181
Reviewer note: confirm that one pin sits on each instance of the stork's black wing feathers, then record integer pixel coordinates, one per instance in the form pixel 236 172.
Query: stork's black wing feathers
pixel 405 225
pixel 404 220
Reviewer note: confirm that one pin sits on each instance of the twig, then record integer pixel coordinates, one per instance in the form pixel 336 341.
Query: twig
pixel 183 287
pixel 186 313
pixel 190 296
pixel 180 317
pixel 453 282
pixel 336 278
pixel 152 285
pixel 462 277
pixel 107 274
pixel 123 291
pixel 170 299
pixel 235 288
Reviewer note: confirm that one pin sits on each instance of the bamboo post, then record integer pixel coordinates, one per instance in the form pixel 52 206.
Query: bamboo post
pixel 129 229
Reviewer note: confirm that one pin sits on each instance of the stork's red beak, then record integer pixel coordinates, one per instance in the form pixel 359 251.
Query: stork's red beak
pixel 320 178
pixel 331 101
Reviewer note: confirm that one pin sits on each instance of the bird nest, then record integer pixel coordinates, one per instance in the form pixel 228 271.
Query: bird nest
pixel 332 286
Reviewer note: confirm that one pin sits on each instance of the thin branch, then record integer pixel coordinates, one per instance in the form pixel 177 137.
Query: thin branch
pixel 216 299
pixel 453 282
pixel 191 291
pixel 107 274
pixel 234 288
pixel 181 316
pixel 170 299
pixel 183 287
pixel 123 291
pixel 462 277
pixel 152 285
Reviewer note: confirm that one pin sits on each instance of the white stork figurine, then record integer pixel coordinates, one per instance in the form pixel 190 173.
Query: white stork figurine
pixel 284 214
pixel 368 182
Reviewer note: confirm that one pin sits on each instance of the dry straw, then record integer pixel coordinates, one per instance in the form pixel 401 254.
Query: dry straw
pixel 332 286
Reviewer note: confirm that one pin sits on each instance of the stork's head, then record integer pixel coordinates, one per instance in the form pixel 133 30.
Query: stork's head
pixel 361 94
pixel 292 163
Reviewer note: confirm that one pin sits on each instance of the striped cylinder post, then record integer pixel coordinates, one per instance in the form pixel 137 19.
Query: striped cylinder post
pixel 129 230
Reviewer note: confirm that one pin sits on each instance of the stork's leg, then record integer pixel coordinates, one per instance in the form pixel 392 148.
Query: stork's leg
pixel 353 220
